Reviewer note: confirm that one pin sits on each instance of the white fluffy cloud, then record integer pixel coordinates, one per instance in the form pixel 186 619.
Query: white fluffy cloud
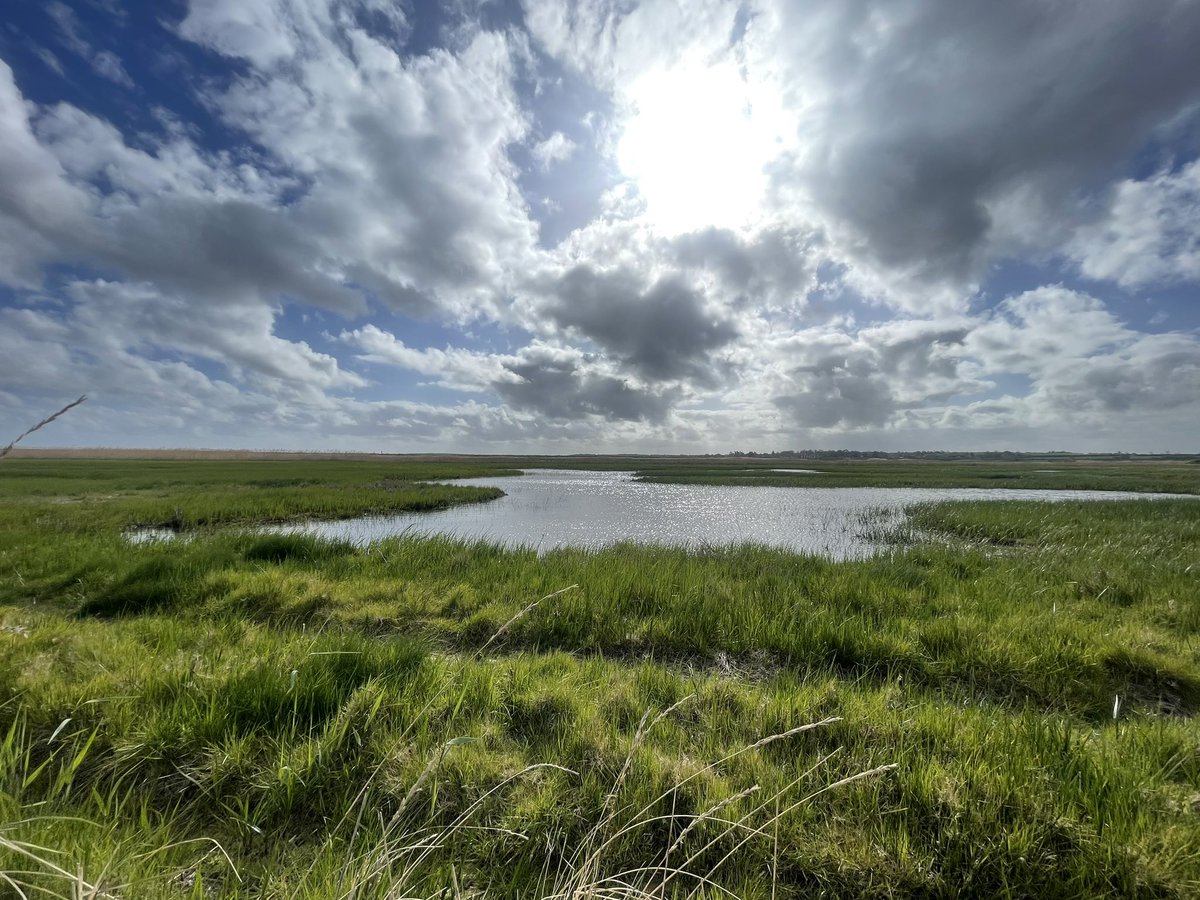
pixel 1149 233
pixel 452 367
pixel 554 149
pixel 1086 365
pixel 410 192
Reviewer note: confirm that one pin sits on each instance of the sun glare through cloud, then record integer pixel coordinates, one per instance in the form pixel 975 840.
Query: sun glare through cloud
pixel 695 142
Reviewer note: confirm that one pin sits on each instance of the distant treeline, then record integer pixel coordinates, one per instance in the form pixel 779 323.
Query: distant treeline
pixel 948 455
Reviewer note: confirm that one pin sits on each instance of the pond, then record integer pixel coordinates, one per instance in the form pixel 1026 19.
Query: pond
pixel 548 508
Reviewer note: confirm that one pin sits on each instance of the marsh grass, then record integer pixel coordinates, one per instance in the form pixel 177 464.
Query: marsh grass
pixel 275 716
pixel 280 734
pixel 1071 473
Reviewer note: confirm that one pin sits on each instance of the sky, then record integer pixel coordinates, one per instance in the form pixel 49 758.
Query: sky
pixel 602 225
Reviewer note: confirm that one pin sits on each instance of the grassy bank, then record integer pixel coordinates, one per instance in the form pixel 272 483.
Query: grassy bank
pixel 1006 711
pixel 99 495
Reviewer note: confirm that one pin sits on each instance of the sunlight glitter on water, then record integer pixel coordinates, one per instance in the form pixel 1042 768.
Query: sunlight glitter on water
pixel 549 508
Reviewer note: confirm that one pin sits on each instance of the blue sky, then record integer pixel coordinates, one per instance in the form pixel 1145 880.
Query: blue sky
pixel 559 227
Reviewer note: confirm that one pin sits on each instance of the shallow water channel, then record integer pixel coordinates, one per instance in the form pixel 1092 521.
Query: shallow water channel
pixel 548 508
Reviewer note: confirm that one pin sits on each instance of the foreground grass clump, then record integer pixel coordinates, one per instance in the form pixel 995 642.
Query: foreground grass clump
pixel 1007 709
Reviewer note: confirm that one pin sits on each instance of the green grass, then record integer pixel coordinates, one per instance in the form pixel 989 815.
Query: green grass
pixel 247 715
pixel 1071 473
pixel 122 493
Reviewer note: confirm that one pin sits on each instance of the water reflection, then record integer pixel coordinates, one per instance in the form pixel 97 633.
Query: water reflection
pixel 548 508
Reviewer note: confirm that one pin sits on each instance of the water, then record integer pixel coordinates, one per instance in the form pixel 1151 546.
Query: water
pixel 548 508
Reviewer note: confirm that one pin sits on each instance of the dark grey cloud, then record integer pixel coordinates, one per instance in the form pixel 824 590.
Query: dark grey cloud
pixel 838 390
pixel 1165 381
pixel 921 353
pixel 927 119
pixel 558 385
pixel 664 333
pixel 866 380
pixel 224 251
pixel 773 266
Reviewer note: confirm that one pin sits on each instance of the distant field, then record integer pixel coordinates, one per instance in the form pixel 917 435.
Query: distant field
pixel 1176 475
pixel 232 455
pixel 1070 474
pixel 1007 710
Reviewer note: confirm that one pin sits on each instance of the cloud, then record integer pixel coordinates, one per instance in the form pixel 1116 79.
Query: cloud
pixel 132 398
pixel 1147 234
pixel 613 42
pixel 1079 364
pixel 70 30
pixel 552 381
pixel 554 149
pixel 72 35
pixel 1084 363
pixel 253 30
pixel 774 267
pixel 52 62
pixel 1156 372
pixel 409 190
pixel 453 367
pixel 1042 330
pixel 38 207
pixel 924 139
pixel 184 220
pixel 837 390
pixel 663 332
pixel 830 378
pixel 921 121
pixel 561 383
pixel 371 177
pixel 138 318
pixel 109 65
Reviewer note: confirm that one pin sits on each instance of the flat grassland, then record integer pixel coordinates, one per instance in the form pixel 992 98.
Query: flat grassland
pixel 1006 709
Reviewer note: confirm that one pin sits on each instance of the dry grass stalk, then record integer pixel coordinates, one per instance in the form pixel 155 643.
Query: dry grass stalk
pixel 761 831
pixel 378 860
pixel 503 629
pixel 434 761
pixel 799 729
pixel 711 813
pixel 4 451
pixel 582 881
pixel 41 856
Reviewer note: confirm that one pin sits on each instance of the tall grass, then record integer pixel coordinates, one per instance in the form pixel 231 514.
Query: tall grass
pixel 260 751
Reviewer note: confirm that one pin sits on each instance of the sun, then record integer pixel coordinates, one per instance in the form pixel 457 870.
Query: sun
pixel 696 141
